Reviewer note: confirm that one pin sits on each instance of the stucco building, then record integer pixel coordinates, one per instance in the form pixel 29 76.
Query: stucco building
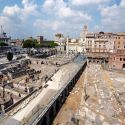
pixel 40 39
pixel 16 42
pixel 103 47
pixel 120 41
pixel 100 42
pixel 97 46
pixel 117 59
pixel 3 37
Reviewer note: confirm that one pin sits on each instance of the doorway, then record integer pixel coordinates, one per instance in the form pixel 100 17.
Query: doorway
pixel 123 67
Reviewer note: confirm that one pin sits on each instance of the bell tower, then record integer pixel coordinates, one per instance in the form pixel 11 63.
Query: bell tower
pixel 85 30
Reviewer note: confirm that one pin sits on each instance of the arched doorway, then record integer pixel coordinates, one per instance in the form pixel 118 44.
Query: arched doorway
pixel 43 121
pixel 123 67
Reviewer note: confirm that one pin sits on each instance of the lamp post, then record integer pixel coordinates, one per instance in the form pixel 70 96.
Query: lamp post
pixel 67 46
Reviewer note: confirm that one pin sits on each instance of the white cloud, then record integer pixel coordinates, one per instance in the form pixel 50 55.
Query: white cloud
pixel 48 24
pixel 62 10
pixel 110 11
pixel 61 15
pixel 64 17
pixel 29 8
pixel 10 11
pixel 113 17
pixel 54 16
pixel 87 2
pixel 122 4
pixel 25 2
pixel 11 26
pixel 66 12
pixel 48 4
pixel 3 20
pixel 17 20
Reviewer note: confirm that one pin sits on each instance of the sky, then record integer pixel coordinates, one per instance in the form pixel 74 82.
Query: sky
pixel 24 18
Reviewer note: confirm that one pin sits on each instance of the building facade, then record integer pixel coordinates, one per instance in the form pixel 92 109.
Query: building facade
pixel 16 42
pixel 120 41
pixel 40 39
pixel 103 47
pixel 100 42
pixel 97 42
pixel 83 38
pixel 117 59
pixel 4 38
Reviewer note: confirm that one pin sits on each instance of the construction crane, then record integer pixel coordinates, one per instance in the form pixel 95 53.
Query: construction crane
pixel 1 29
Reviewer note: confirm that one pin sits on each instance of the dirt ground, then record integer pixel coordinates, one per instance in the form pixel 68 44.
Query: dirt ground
pixel 102 106
pixel 71 105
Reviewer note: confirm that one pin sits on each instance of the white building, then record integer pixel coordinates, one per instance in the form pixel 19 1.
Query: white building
pixel 89 42
pixel 97 42
pixel 82 39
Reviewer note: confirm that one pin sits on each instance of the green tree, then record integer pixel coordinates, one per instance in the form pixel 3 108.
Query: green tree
pixel 49 44
pixel 59 35
pixel 3 43
pixel 9 56
pixel 29 43
pixel 52 44
pixel 33 43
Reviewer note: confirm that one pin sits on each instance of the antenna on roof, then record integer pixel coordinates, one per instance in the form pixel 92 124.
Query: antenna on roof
pixel 2 31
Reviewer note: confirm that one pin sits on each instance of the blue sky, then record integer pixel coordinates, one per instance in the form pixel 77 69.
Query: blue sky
pixel 24 18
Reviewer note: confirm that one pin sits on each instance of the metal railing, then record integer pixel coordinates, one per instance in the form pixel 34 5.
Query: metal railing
pixel 42 110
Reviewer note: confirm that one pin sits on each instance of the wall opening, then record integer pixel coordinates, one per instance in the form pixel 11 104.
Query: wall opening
pixel 123 67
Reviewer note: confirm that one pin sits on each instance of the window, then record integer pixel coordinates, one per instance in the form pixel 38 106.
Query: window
pixel 120 59
pixel 124 46
pixel 119 37
pixel 124 59
pixel 114 58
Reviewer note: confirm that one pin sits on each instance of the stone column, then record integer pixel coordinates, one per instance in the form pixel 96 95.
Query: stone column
pixel 2 107
pixel 67 46
pixel 54 109
pixel 47 119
